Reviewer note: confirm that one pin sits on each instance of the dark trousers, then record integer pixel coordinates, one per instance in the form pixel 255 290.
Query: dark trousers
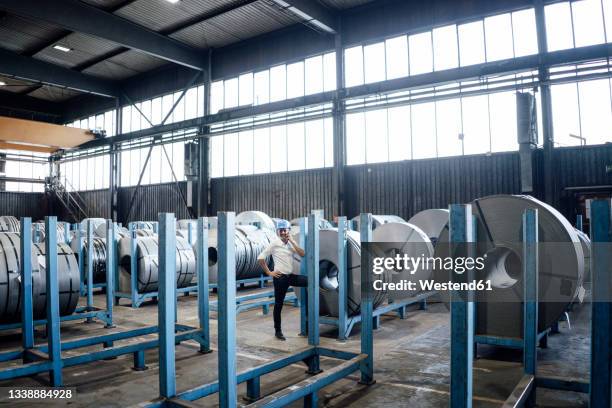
pixel 280 290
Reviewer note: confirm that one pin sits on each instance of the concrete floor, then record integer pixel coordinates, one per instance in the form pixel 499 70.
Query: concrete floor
pixel 411 362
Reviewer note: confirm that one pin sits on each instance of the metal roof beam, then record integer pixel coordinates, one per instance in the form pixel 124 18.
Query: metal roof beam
pixel 312 12
pixel 31 69
pixel 81 17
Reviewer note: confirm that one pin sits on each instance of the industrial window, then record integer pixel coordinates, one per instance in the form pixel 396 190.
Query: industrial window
pixel 471 43
pixel 396 57
pixel 285 147
pixel 374 62
pixel 280 82
pixel 421 55
pixel 353 62
pixel 447 127
pixel 446 54
pixel 295 80
pixel 498 37
pixel 494 38
pixel 588 22
pixel 90 173
pixel 582 113
pixel 104 121
pixel 559 31
pixel 27 166
pixel 158 169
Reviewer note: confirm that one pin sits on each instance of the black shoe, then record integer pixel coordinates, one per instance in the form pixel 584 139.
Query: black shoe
pixel 279 335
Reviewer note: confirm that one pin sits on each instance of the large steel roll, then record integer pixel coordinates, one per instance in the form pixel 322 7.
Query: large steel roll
pixel 9 223
pixel 61 231
pixel 251 217
pixel 147 248
pixel 98 257
pixel 96 222
pixel 10 279
pixel 328 273
pixel 100 231
pixel 499 236
pixel 585 241
pixel 378 220
pixel 404 239
pixel 249 242
pixel 432 222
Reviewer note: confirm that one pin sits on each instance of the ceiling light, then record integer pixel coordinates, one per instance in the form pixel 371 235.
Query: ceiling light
pixel 2 83
pixel 173 1
pixel 62 48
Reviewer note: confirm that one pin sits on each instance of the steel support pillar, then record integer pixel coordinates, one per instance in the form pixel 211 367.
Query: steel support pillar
pixel 339 129
pixel 25 254
pixel 462 316
pixel 530 296
pixel 203 284
pixel 312 265
pixel 367 306
pixel 601 315
pixel 167 305
pixel 227 311
pixel 304 272
pixel 53 314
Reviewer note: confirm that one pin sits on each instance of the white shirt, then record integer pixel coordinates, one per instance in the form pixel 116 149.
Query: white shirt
pixel 282 255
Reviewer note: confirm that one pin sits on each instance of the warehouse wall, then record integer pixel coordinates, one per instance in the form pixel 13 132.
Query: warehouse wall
pixel 23 204
pixel 151 200
pixel 405 188
pixel 283 195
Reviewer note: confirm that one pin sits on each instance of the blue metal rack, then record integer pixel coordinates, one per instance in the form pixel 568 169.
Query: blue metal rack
pixel 89 312
pixel 229 378
pixel 48 358
pixel 344 321
pixel 524 394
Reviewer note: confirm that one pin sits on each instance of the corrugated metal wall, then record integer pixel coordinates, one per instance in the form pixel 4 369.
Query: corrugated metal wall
pixel 401 188
pixel 580 168
pixel 151 200
pixel 405 188
pixel 283 195
pixel 23 204
pixel 97 203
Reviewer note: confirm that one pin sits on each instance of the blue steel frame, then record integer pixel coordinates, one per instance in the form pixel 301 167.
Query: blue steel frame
pixel 88 312
pixel 229 378
pixel 41 358
pixel 344 321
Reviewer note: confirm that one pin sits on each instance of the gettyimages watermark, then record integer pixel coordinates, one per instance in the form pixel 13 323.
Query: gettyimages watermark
pixel 484 271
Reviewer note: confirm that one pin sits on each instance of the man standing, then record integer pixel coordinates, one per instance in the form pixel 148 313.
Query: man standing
pixel 282 249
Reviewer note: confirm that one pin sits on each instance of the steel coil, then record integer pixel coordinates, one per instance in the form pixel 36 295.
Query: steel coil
pixel 432 222
pixel 402 238
pixel 378 220
pixel 249 242
pixel 499 236
pixel 9 223
pixel 147 248
pixel 328 274
pixel 61 232
pixel 252 217
pixel 585 242
pixel 98 257
pixel 10 279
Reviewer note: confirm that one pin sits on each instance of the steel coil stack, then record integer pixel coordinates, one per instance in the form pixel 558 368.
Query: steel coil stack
pixel 147 248
pixel 98 257
pixel 432 222
pixel 249 242
pixel 9 223
pixel 10 291
pixel 61 231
